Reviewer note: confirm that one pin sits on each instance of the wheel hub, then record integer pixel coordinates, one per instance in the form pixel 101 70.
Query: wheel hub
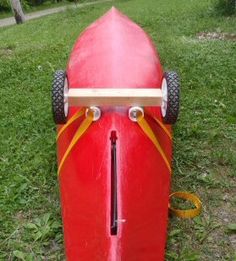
pixel 164 97
pixel 66 104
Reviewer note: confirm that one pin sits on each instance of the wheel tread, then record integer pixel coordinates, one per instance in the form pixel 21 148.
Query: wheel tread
pixel 173 85
pixel 58 97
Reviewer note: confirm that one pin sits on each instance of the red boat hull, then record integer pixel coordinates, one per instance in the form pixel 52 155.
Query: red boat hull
pixel 114 52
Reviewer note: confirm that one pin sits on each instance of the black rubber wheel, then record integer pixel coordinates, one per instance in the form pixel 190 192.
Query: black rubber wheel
pixel 171 113
pixel 58 99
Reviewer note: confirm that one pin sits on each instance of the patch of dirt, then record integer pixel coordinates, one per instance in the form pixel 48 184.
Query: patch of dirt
pixel 6 52
pixel 216 36
pixel 224 215
pixel 219 212
pixel 20 217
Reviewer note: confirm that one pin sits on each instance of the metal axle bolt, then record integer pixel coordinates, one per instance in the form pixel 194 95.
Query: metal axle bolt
pixel 96 112
pixel 135 112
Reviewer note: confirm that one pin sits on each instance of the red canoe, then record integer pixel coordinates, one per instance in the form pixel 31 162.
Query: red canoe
pixel 114 184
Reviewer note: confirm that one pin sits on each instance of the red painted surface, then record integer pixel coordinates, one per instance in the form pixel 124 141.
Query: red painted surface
pixel 114 52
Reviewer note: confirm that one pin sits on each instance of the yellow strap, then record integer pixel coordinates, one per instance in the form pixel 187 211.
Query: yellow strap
pixel 148 131
pixel 77 115
pixel 168 133
pixel 190 213
pixel 163 127
pixel 81 130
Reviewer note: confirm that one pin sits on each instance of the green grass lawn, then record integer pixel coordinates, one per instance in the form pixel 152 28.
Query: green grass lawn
pixel 205 135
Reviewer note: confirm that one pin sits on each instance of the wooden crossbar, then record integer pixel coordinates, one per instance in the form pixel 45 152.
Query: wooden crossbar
pixel 114 97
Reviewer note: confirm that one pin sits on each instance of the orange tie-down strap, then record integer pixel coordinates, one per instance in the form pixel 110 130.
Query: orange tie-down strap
pixel 76 116
pixel 150 134
pixel 190 213
pixel 80 131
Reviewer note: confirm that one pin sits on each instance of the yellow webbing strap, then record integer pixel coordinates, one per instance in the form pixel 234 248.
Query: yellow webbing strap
pixel 77 115
pixel 148 131
pixel 168 133
pixel 163 127
pixel 81 130
pixel 189 213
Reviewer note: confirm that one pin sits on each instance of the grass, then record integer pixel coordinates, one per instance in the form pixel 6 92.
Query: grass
pixel 205 135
